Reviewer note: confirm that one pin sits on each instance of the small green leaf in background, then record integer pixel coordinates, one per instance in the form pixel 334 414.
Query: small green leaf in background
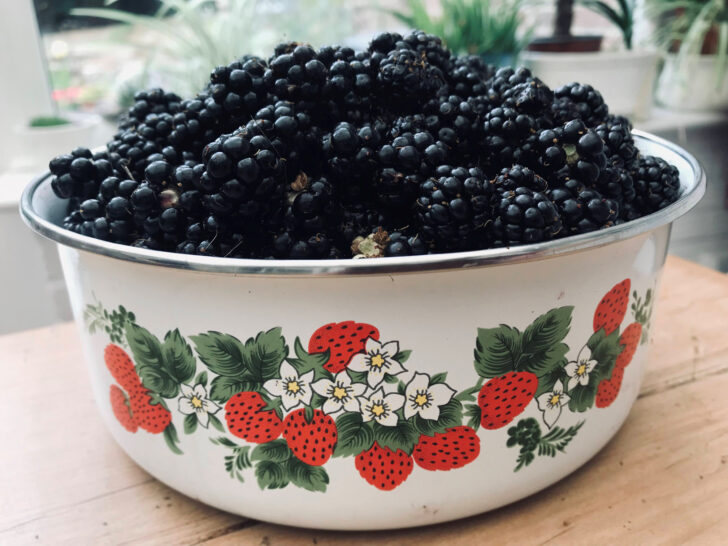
pixel 271 475
pixel 201 379
pixel 150 360
pixel 605 350
pixel 311 478
pixel 497 350
pixel 276 450
pixel 403 356
pixel 221 353
pixel 354 435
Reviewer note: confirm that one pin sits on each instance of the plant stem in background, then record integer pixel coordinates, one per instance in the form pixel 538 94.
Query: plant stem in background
pixel 622 17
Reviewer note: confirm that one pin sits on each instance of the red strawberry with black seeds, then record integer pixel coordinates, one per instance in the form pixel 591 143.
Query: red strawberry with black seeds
pixel 453 448
pixel 629 340
pixel 121 367
pixel 149 416
pixel 121 409
pixel 343 340
pixel 504 398
pixel 311 442
pixel 383 468
pixel 608 389
pixel 246 418
pixel 612 308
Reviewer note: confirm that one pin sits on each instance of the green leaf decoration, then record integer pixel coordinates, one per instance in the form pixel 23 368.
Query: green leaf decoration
pixel 190 424
pixel 451 415
pixel 178 358
pixel 201 379
pixel 311 478
pixel 271 475
pixel 542 342
pixel 557 439
pixel 605 350
pixel 354 434
pixel 158 381
pixel 171 438
pixel 403 356
pixel 215 422
pixel 258 360
pixel 582 397
pixel 401 436
pixel 474 414
pixel 276 450
pixel 357 377
pixel 305 362
pixel 222 388
pixel 546 382
pixel 438 378
pixel 524 459
pixel 497 351
pixel 223 441
pixel 150 360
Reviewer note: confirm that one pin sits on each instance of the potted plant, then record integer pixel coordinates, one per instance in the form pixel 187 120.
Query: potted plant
pixel 562 40
pixel 489 28
pixel 624 76
pixel 693 35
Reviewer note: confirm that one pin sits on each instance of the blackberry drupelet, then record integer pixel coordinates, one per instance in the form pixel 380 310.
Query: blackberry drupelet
pixel 406 81
pixel 468 76
pixel 616 132
pixel 236 92
pixel 574 147
pixel 583 209
pixel 524 216
pixel 577 101
pixel 459 124
pixel 453 209
pixel 78 175
pixel 656 183
pixel 518 176
pixel 150 101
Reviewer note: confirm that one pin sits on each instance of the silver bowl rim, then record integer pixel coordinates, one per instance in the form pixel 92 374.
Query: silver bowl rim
pixel 692 193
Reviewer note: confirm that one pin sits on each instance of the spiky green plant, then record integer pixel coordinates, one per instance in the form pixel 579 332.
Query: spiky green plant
pixel 622 16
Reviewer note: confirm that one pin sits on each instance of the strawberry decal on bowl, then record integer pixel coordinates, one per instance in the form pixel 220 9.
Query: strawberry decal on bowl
pixel 378 361
pixel 341 340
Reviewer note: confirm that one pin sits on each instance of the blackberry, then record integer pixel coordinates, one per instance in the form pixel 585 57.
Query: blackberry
pixel 530 97
pixel 468 76
pixel 616 183
pixel 524 216
pixel 459 124
pixel 656 182
pixel 151 101
pixel 577 101
pixel 507 78
pixel 519 176
pixel 196 123
pixel 381 45
pixel 505 132
pixel 406 80
pixel 313 210
pixel 616 132
pixel 318 246
pixel 78 175
pixel 430 48
pixel 236 92
pixel 583 209
pixel 129 153
pixel 358 220
pixel 296 76
pixel 402 244
pixel 574 147
pixel 453 209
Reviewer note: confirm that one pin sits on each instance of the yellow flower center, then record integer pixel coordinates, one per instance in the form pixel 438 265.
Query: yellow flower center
pixel 196 402
pixel 554 399
pixel 293 387
pixel 421 399
pixel 581 370
pixel 339 393
pixel 377 361
pixel 378 409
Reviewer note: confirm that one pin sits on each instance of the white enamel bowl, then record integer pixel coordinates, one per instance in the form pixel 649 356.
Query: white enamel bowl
pixel 478 316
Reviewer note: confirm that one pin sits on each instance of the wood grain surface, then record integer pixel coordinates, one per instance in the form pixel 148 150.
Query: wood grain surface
pixel 662 480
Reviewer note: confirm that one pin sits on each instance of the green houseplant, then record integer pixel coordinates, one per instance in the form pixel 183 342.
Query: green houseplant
pixel 621 16
pixel 490 28
pixel 562 39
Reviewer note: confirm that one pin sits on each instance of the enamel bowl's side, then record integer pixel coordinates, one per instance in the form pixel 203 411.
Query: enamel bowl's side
pixel 509 349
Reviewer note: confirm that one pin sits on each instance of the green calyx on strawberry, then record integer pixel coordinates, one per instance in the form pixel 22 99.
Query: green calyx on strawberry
pixel 247 419
pixel 629 340
pixel 447 450
pixel 121 367
pixel 608 389
pixel 343 340
pixel 311 441
pixel 383 468
pixel 121 409
pixel 504 398
pixel 612 308
pixel 148 413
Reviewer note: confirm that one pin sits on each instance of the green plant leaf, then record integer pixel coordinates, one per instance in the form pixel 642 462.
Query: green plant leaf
pixel 582 397
pixel 215 422
pixel 605 350
pixel 438 378
pixel 178 358
pixel 224 441
pixel 150 360
pixel 190 424
pixel 305 361
pixel 542 344
pixel 158 381
pixel 276 451
pixel 311 478
pixel 221 353
pixel 403 356
pixel 222 388
pixel 401 436
pixel 201 379
pixel 271 475
pixel 497 351
pixel 451 415
pixel 354 435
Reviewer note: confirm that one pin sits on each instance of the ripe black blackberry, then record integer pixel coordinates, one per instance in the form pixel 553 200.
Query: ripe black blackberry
pixel 524 216
pixel 318 246
pixel 239 91
pixel 505 131
pixel 453 209
pixel 196 123
pixel 349 86
pixel 78 175
pixel 518 176
pixel 430 48
pixel 404 244
pixel 406 80
pixel 656 183
pixel 150 101
pixel 583 209
pixel 616 183
pixel 468 76
pixel 459 124
pixel 296 76
pixel 577 101
pixel 530 97
pixel 616 132
pixel 129 153
pixel 574 147
pixel 314 209
pixel 358 220
pixel 505 79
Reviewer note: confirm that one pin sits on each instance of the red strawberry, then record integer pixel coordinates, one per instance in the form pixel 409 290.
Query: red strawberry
pixel 151 417
pixel 246 418
pixel 313 442
pixel 629 340
pixel 383 468
pixel 453 448
pixel 121 367
pixel 120 406
pixel 608 389
pixel 504 398
pixel 343 340
pixel 611 310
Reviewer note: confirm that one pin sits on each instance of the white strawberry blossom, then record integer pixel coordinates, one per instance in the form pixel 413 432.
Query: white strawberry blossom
pixel 377 361
pixel 340 393
pixel 550 403
pixel 194 400
pixel 292 389
pixel 579 371
pixel 381 408
pixel 424 399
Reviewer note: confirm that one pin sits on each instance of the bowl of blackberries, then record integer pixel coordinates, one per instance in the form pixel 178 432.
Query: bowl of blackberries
pixel 365 289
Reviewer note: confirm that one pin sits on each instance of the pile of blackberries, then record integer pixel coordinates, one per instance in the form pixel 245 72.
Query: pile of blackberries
pixel 398 150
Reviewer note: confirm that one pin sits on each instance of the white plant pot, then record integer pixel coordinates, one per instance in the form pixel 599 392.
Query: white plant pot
pixel 464 340
pixel 692 86
pixel 34 145
pixel 624 78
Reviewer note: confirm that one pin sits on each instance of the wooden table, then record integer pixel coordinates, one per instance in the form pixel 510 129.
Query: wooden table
pixel 663 479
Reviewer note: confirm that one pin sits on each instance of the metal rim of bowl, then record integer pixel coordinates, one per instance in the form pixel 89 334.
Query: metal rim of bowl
pixel 379 266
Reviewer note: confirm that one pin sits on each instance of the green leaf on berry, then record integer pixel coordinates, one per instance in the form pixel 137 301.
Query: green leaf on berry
pixel 222 387
pixel 542 342
pixel 178 358
pixel 149 356
pixel 311 478
pixel 271 475
pixel 474 414
pixel 451 415
pixel 354 435
pixel 605 350
pixel 497 350
pixel 190 424
pixel 401 436
pixel 276 451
